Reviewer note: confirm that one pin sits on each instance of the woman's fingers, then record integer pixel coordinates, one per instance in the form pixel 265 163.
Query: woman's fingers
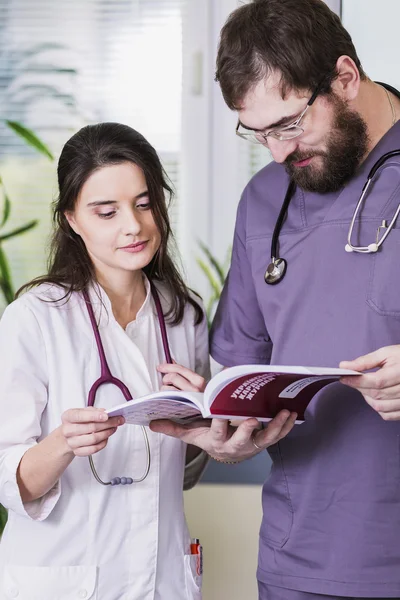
pixel 86 430
pixel 179 382
pixel 197 382
pixel 84 415
pixel 89 450
pixel 91 439
pixel 79 429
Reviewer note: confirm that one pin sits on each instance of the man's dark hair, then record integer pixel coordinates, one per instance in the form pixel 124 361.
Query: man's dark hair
pixel 300 39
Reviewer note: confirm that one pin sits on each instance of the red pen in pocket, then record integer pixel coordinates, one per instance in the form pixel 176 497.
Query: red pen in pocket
pixel 197 549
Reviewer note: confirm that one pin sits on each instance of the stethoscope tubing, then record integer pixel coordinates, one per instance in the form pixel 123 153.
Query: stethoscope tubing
pixel 106 377
pixel 277 268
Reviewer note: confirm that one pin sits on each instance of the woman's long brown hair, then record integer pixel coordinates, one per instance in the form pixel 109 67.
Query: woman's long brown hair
pixel 94 147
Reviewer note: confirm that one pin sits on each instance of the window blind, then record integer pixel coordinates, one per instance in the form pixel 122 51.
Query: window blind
pixel 67 64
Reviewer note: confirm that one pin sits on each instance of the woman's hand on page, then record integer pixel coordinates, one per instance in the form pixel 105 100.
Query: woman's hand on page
pixel 381 389
pixel 177 377
pixel 86 430
pixel 224 442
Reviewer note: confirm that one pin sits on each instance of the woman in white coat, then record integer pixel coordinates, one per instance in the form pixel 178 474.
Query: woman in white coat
pixel 71 534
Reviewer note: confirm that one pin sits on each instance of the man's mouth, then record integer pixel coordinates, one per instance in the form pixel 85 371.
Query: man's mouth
pixel 302 163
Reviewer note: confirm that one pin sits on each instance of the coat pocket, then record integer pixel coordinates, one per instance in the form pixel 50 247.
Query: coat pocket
pixel 49 583
pixel 193 578
pixel 383 294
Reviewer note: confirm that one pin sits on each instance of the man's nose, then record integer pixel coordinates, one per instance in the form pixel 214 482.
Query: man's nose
pixel 280 150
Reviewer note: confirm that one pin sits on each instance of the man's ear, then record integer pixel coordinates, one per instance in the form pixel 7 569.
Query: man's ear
pixel 347 83
pixel 69 215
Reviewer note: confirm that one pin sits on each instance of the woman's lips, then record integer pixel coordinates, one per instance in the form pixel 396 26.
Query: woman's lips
pixel 133 248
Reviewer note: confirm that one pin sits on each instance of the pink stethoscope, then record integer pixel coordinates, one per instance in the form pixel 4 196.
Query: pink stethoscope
pixel 106 377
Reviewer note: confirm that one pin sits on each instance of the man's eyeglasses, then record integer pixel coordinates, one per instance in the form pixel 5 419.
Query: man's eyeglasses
pixel 288 132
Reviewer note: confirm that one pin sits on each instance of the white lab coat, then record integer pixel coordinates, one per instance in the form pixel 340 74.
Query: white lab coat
pixel 82 539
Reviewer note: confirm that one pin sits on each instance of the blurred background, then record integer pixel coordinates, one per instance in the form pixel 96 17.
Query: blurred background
pixel 150 64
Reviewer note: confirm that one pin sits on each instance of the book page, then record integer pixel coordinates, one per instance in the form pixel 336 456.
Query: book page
pixel 181 407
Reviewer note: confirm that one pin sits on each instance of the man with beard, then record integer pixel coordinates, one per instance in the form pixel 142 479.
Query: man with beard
pixel 331 524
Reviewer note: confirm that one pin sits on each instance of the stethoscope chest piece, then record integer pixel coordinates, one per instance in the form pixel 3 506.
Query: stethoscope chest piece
pixel 275 271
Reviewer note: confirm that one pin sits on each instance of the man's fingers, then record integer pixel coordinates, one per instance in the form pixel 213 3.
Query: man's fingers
pixel 382 406
pixel 383 379
pixel 219 430
pixel 390 416
pixel 168 427
pixel 389 410
pixel 288 426
pixel 197 432
pixel 368 361
pixel 243 433
pixel 276 429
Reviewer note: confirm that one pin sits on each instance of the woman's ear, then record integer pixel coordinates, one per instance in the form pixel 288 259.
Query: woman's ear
pixel 69 215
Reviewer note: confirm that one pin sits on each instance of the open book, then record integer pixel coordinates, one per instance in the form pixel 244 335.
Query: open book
pixel 241 392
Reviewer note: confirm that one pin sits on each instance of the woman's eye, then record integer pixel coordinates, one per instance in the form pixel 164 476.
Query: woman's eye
pixel 143 205
pixel 106 215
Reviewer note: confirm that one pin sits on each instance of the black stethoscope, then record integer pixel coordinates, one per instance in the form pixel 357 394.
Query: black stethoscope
pixel 276 269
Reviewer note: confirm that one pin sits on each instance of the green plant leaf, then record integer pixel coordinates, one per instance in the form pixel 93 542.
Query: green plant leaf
pixel 6 207
pixel 18 231
pixel 5 278
pixel 47 68
pixel 42 47
pixel 30 138
pixel 3 518
pixel 214 262
pixel 228 259
pixel 210 309
pixel 29 92
pixel 216 287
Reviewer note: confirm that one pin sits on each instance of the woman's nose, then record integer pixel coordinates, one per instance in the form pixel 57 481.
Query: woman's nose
pixel 131 224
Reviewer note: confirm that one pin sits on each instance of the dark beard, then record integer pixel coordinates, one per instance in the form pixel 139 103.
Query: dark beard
pixel 346 146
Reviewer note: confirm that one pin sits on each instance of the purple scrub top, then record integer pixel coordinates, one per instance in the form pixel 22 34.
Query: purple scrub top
pixel 331 505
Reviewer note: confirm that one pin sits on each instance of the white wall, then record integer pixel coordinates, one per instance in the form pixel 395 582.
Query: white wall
pixel 374 27
pixel 210 149
pixel 226 519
